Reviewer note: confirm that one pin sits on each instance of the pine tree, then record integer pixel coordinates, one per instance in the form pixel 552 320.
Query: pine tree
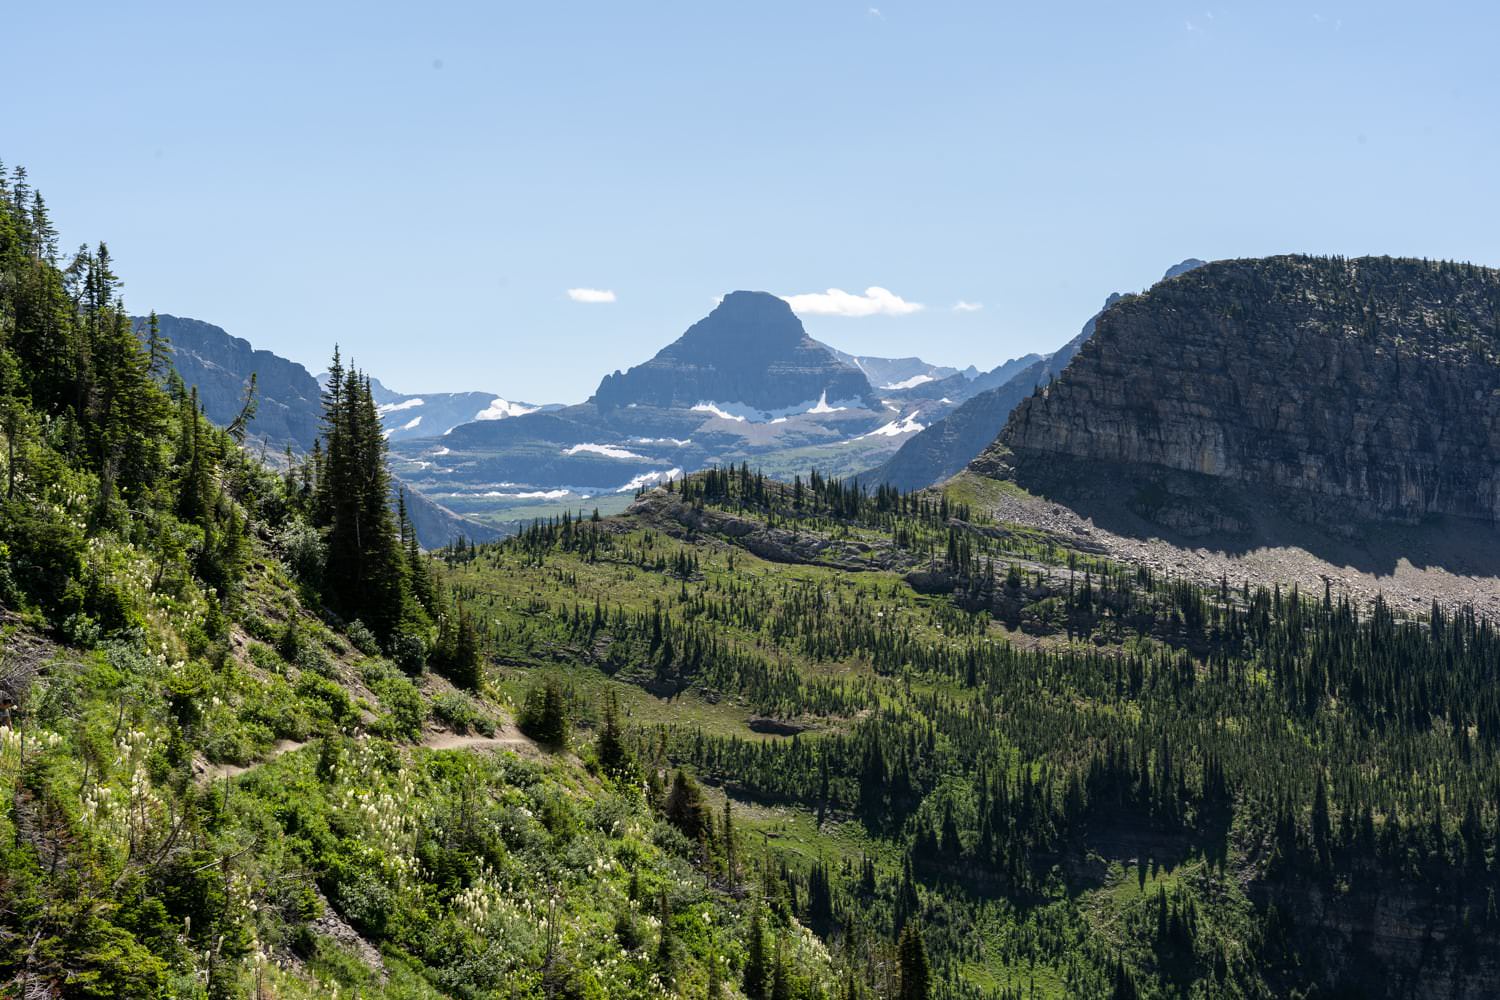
pixel 666 953
pixel 365 576
pixel 609 746
pixel 781 975
pixel 915 974
pixel 757 974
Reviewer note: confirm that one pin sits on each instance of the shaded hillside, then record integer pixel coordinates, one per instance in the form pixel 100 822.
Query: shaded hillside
pixel 288 407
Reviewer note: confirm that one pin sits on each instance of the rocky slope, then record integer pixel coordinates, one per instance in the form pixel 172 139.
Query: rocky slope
pixel 1342 389
pixel 945 446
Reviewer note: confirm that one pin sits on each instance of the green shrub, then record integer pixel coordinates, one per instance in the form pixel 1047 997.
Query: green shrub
pixel 266 659
pixel 402 701
pixel 363 639
pixel 327 696
pixel 258 627
pixel 10 593
pixel 458 712
pixel 46 553
pixel 409 652
pixel 303 551
pixel 78 629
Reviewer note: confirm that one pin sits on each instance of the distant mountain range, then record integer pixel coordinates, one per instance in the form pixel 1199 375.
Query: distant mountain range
pixel 744 384
pixel 899 373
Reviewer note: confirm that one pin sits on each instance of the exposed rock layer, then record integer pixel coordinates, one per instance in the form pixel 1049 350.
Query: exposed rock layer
pixel 1347 389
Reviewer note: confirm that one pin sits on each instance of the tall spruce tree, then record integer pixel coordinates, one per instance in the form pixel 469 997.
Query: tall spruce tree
pixel 366 569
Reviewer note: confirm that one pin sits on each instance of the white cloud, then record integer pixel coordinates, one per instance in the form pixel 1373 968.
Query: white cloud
pixel 875 12
pixel 876 301
pixel 591 295
pixel 967 307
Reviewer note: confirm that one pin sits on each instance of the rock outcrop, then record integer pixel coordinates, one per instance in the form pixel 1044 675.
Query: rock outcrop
pixel 1343 390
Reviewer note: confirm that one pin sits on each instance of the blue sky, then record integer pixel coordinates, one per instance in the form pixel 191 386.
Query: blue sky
pixel 425 183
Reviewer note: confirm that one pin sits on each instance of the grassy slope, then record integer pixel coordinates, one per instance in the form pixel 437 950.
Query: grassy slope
pixel 152 766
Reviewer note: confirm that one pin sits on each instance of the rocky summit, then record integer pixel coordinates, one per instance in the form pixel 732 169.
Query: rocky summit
pixel 1344 390
pixel 751 351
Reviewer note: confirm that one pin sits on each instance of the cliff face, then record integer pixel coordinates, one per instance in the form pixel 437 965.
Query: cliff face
pixel 1365 389
pixel 751 350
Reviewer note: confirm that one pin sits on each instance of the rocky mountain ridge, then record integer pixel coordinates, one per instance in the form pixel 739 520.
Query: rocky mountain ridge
pixel 219 364
pixel 1362 389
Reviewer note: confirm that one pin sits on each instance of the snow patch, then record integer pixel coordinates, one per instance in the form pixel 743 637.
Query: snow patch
pixel 896 428
pixel 910 383
pixel 721 412
pixel 675 442
pixel 440 452
pixel 499 409
pixel 607 450
pixel 526 495
pixel 649 479
pixel 414 421
pixel 823 406
pixel 742 413
pixel 405 404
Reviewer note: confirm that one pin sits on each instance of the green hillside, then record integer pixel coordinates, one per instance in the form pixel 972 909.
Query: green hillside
pixel 246 739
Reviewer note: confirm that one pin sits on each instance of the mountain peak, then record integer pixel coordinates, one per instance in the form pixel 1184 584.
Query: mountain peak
pixel 745 315
pixel 750 350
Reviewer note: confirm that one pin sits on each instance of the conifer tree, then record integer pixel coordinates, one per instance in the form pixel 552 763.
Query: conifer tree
pixel 757 974
pixel 915 974
pixel 366 576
